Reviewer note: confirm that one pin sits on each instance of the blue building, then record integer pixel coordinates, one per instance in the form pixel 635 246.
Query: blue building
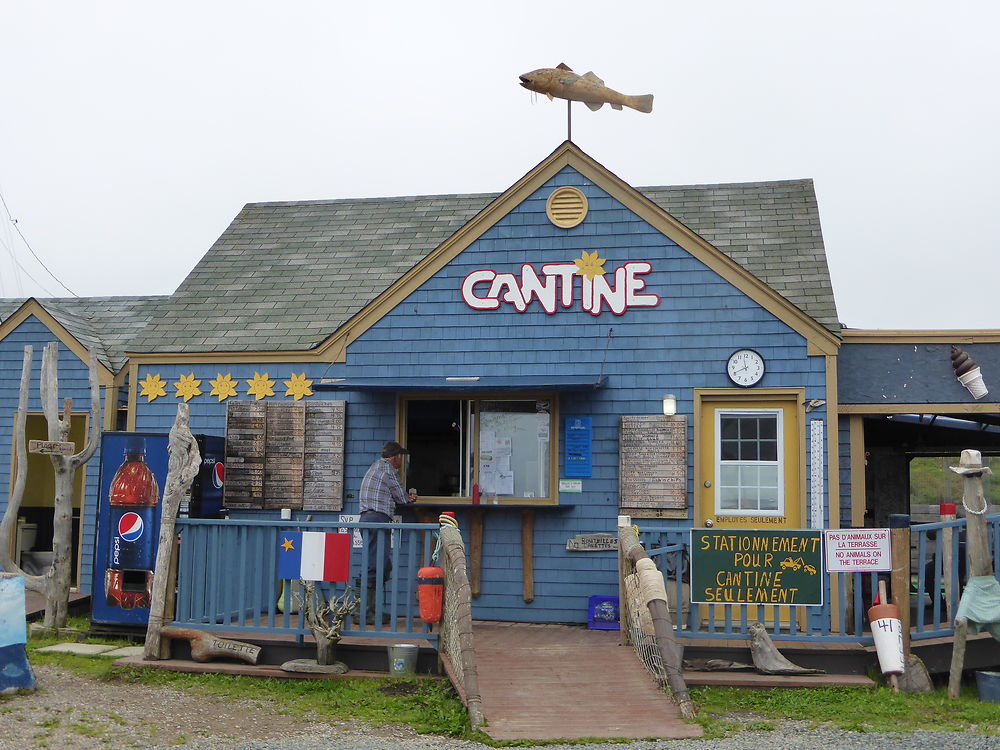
pixel 521 345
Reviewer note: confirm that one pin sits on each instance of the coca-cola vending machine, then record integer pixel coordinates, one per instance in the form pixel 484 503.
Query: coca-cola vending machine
pixel 133 475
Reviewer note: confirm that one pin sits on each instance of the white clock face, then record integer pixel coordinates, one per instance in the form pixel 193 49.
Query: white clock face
pixel 745 367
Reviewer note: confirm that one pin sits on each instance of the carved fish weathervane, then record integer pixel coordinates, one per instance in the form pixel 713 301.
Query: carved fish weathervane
pixel 563 83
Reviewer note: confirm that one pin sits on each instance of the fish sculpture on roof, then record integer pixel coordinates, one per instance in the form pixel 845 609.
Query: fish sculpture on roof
pixel 562 82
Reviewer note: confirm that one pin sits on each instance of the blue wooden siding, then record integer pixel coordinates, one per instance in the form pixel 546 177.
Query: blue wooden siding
pixel 680 345
pixel 73 383
pixel 675 347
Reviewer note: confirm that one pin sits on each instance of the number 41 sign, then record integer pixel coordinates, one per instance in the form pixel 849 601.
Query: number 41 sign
pixel 857 550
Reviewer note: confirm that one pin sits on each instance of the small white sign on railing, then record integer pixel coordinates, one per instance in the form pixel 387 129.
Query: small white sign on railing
pixel 857 550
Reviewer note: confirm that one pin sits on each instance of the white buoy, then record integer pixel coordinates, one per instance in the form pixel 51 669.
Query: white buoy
pixel 887 630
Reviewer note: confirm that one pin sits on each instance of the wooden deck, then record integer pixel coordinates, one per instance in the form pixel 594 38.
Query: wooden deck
pixel 547 682
pixel 34 604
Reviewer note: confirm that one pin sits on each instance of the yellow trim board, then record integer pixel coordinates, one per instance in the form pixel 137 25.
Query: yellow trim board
pixel 978 408
pixel 33 308
pixel 858 468
pixel 860 336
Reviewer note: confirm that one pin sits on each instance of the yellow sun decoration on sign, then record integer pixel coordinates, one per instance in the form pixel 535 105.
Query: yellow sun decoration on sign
pixel 260 386
pixel 298 386
pixel 187 387
pixel 153 387
pixel 589 265
pixel 223 386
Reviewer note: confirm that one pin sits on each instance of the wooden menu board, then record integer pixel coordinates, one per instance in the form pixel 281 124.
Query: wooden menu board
pixel 652 466
pixel 285 455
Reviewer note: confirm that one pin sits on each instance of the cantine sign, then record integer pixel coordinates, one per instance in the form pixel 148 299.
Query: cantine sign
pixel 554 288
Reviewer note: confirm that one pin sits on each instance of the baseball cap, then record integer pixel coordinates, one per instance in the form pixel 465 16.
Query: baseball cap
pixel 393 449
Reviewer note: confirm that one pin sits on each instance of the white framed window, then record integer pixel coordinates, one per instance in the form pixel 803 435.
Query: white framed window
pixel 749 462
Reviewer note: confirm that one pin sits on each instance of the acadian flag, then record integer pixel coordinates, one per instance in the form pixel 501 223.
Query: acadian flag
pixel 314 556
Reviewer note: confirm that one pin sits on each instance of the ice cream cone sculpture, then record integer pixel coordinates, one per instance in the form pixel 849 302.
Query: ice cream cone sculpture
pixel 967 372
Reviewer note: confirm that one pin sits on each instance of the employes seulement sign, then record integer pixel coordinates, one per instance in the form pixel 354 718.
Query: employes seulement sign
pixel 555 288
pixel 730 566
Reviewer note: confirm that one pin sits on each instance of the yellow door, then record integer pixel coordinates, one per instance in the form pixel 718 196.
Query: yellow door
pixel 751 451
pixel 749 469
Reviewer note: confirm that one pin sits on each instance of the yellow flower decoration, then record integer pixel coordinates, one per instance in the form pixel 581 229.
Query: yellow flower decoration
pixel 298 386
pixel 187 387
pixel 153 387
pixel 260 386
pixel 223 386
pixel 589 265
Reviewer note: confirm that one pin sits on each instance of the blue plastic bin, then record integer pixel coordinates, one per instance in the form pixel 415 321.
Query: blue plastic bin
pixel 988 685
pixel 603 613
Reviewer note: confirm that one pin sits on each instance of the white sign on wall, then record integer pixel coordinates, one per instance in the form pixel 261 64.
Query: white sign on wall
pixel 556 287
pixel 858 550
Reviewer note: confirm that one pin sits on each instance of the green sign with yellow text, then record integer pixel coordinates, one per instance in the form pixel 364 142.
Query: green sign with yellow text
pixel 739 566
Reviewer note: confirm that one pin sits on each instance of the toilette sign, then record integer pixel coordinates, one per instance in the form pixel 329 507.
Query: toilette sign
pixel 555 288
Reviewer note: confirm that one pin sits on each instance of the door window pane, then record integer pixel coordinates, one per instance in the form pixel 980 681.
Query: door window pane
pixel 749 460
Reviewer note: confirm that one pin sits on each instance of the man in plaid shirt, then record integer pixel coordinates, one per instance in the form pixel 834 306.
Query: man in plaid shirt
pixel 380 493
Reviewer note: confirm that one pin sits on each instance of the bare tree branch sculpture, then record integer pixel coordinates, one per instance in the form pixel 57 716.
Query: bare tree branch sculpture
pixel 326 618
pixel 55 583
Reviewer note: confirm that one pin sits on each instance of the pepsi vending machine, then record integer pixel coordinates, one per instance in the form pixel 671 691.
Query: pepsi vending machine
pixel 132 478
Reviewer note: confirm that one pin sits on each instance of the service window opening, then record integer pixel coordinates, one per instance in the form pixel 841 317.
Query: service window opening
pixel 502 446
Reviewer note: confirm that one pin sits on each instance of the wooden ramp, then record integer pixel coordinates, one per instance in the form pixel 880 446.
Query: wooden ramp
pixel 547 682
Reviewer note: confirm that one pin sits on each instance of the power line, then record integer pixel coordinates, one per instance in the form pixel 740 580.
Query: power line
pixel 34 254
pixel 17 263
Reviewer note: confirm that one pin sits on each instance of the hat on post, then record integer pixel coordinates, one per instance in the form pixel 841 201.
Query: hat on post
pixel 393 448
pixel 971 464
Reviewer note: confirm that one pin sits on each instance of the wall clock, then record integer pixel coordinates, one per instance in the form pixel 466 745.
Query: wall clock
pixel 745 367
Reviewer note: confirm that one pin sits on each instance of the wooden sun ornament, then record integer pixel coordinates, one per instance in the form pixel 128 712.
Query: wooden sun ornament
pixel 260 386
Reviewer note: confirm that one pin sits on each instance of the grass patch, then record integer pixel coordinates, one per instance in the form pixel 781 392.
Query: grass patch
pixel 431 706
pixel 853 709
pixel 427 705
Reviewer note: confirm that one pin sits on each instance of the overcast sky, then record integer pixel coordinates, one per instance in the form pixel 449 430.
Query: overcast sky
pixel 131 133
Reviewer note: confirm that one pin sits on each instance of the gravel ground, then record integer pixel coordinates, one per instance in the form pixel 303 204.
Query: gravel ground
pixel 70 712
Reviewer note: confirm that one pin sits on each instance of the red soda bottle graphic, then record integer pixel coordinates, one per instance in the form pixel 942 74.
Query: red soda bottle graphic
pixel 134 495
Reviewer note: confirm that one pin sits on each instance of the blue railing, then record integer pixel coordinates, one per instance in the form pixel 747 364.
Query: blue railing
pixel 938 573
pixel 227 577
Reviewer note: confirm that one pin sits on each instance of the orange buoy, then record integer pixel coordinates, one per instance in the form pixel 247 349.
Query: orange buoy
pixel 430 592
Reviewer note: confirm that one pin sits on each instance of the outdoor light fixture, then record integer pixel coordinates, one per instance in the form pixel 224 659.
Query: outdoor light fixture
pixel 669 405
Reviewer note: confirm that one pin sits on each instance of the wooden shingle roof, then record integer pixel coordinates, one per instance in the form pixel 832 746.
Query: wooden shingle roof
pixel 284 276
pixel 104 324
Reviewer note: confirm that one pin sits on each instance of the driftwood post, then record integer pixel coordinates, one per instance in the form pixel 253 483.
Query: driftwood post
pixel 663 627
pixel 977 547
pixel 8 524
pixel 55 583
pixel 182 468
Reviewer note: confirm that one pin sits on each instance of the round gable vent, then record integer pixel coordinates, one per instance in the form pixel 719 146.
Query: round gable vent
pixel 566 207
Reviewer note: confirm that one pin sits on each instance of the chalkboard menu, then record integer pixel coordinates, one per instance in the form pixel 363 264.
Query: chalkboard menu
pixel 738 566
pixel 652 466
pixel 285 455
